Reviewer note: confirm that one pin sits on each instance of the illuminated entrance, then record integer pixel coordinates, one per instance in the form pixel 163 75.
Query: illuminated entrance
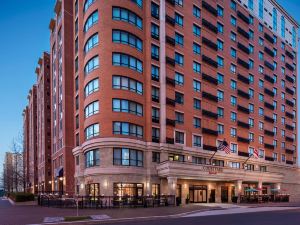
pixel 198 194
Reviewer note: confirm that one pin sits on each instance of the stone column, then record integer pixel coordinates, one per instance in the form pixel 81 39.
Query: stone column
pixel 229 194
pixel 259 187
pixel 218 193
pixel 185 193
pixel 238 189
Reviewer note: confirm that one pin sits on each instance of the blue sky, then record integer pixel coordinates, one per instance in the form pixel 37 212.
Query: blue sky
pixel 24 36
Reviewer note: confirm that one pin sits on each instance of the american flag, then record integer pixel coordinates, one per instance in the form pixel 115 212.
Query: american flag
pixel 224 147
pixel 255 153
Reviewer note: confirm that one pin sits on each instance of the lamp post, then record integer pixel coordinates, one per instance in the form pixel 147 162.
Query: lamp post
pixel 62 185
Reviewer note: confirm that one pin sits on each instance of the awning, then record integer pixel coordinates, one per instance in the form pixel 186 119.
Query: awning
pixel 59 172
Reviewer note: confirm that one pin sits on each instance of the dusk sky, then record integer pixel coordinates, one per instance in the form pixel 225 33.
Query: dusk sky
pixel 24 36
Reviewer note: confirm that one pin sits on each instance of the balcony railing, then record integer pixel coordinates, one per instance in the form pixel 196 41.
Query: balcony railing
pixel 289 66
pixel 269 38
pixel 209 96
pixel 289 162
pixel 244 79
pixel 269 65
pixel 170 61
pixel 243 94
pixel 209 61
pixel 170 141
pixel 289 127
pixel 290 103
pixel 243 63
pixel 243 32
pixel 242 139
pixel 210 26
pixel 243 154
pixel 243 48
pixel 267 158
pixel 269 119
pixel 170 102
pixel 170 20
pixel 243 124
pixel 270 79
pixel 170 40
pixel 243 17
pixel 210 79
pixel 269 106
pixel 209 131
pixel 243 109
pixel 170 81
pixel 289 79
pixel 209 114
pixel 170 122
pixel 269 92
pixel 290 115
pixel 269 146
pixel 289 139
pixel 269 133
pixel 209 8
pixel 289 151
pixel 209 43
pixel 289 54
pixel 290 91
pixel 210 148
pixel 269 52
pixel 171 2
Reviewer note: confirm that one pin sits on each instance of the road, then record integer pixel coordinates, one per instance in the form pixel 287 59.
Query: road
pixel 287 217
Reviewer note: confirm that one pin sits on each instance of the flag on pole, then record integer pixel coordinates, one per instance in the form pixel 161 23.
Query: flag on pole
pixel 255 153
pixel 224 147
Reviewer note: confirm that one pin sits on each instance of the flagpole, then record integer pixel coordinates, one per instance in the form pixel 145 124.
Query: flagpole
pixel 210 160
pixel 247 160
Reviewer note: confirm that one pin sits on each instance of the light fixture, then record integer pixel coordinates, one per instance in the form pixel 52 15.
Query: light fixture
pixel 61 178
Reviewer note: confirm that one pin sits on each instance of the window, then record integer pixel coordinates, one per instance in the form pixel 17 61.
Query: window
pixel 260 139
pixel 127 38
pixel 196 67
pixel 233 116
pixel 282 58
pixel 127 129
pixel 251 34
pixel 282 26
pixel 154 31
pixel 179 39
pixel 233 5
pixel 261 41
pixel 233 21
pixel 234 165
pixel 233 84
pixel 250 4
pixel 156 157
pixel 91 65
pixel 179 118
pixel 261 153
pixel 196 30
pixel 220 28
pixel 233 147
pixel 197 122
pixel 261 69
pixel 233 100
pixel 260 27
pixel 220 78
pixel 261 97
pixel 155 94
pixel 155 115
pixel 91 21
pixel 261 9
pixel 220 61
pixel 154 10
pixel 275 156
pixel 261 56
pixel 196 12
pixel 282 158
pixel 179 2
pixel 220 112
pixel 233 36
pixel 179 59
pixel 179 79
pixel 91 109
pixel 91 87
pixel 233 53
pixel 220 45
pixel 220 11
pixel 91 43
pixel 154 52
pixel 233 132
pixel 87 4
pixel 92 158
pixel 196 85
pixel 197 104
pixel 92 131
pixel 251 108
pixel 220 129
pixel 175 157
pixel 154 73
pixel 260 111
pixel 196 49
pixel 274 19
pixel 251 137
pixel 251 64
pixel 127 16
pixel 197 141
pixel 199 160
pixel 128 157
pixel 251 49
pixel 220 95
pixel 179 98
pixel 179 137
pixel 139 3
pixel 294 37
pixel 124 60
pixel 251 122
pixel 233 68
pixel 126 83
pixel 178 19
pixel 122 105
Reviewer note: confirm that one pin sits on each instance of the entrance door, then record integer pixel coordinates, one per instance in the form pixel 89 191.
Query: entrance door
pixel 224 194
pixel 212 198
pixel 198 194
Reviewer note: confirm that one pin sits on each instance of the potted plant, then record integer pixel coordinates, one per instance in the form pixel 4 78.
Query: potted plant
pixel 187 200
pixel 234 199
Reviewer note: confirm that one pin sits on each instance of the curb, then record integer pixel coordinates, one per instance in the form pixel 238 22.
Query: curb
pixel 11 201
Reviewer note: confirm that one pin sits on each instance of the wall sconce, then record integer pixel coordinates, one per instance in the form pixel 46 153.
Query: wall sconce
pixel 50 182
pixel 105 183
pixel 61 178
pixel 82 186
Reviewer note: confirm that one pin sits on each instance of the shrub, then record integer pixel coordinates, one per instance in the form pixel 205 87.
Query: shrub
pixel 21 197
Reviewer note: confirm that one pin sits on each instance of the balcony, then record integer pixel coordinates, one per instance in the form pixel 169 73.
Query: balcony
pixel 170 40
pixel 170 61
pixel 267 158
pixel 170 81
pixel 290 91
pixel 155 78
pixel 269 92
pixel 155 119
pixel 243 63
pixel 270 79
pixel 289 139
pixel 289 115
pixel 243 154
pixel 209 26
pixel 244 140
pixel 289 162
pixel 269 38
pixel 170 102
pixel 269 146
pixel 170 20
pixel 244 79
pixel 155 139
pixel 269 65
pixel 289 127
pixel 289 151
pixel 290 103
pixel 209 131
pixel 170 141
pixel 289 54
pixel 289 79
pixel 171 2
pixel 209 79
pixel 269 133
pixel 269 119
pixel 269 106
pixel 243 94
pixel 243 109
pixel 243 32
pixel 210 44
pixel 170 122
pixel 210 148
pixel 289 66
pixel 209 61
pixel 269 52
pixel 243 48
pixel 243 124
pixel 209 8
pixel 209 96
pixel 155 35
pixel 209 114
pixel 155 98
pixel 243 17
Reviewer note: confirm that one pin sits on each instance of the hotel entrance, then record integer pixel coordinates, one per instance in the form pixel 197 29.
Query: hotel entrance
pixel 198 194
